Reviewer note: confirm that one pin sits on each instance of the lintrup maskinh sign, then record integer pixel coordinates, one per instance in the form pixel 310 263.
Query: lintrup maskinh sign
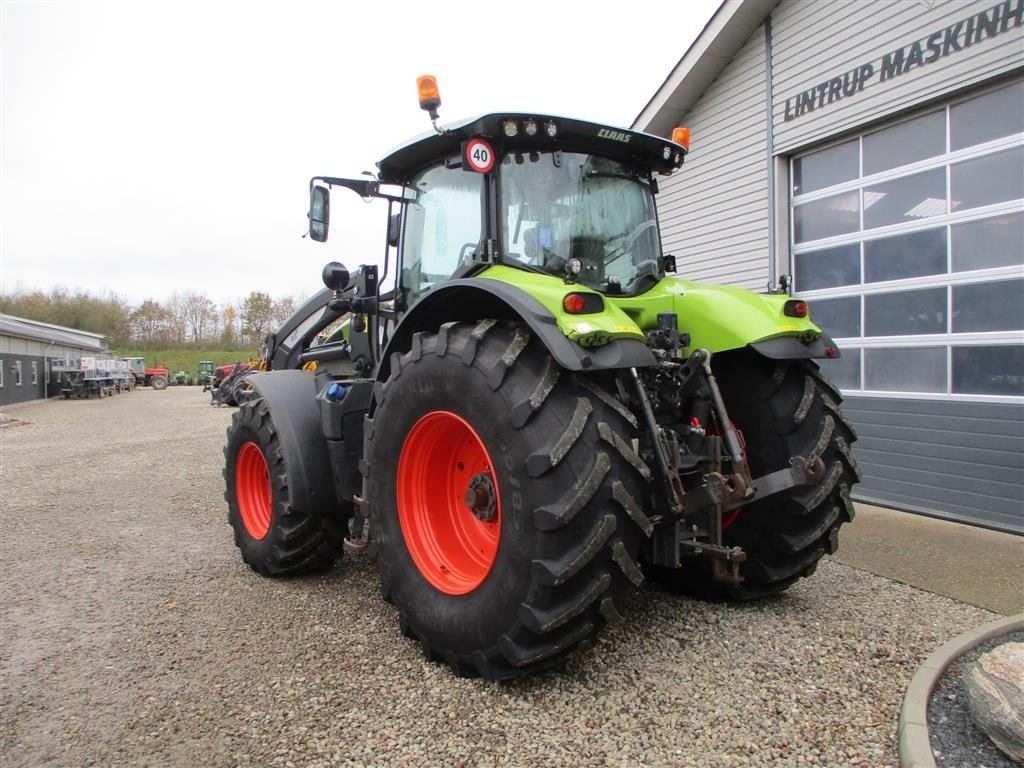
pixel 939 44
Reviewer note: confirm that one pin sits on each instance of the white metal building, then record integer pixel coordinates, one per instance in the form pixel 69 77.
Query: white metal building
pixel 874 150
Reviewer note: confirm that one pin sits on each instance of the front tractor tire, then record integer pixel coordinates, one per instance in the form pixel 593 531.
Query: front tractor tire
pixel 783 408
pixel 504 497
pixel 277 535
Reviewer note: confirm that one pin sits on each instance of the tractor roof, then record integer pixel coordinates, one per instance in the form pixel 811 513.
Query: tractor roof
pixel 640 149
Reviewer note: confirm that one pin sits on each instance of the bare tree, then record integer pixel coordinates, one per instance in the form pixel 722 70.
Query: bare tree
pixel 149 324
pixel 229 330
pixel 214 326
pixel 177 325
pixel 283 309
pixel 198 313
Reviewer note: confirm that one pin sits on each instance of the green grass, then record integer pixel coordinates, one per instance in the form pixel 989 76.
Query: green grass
pixel 187 359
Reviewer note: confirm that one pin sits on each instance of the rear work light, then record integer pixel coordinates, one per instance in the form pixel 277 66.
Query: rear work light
pixel 796 308
pixel 582 303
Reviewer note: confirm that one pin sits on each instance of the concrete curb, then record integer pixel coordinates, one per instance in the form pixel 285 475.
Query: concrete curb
pixel 915 747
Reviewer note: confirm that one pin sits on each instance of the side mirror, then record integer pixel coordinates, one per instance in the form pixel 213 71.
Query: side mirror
pixel 319 212
pixel 394 229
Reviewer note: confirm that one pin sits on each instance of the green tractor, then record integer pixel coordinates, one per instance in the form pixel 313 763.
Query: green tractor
pixel 539 415
pixel 205 373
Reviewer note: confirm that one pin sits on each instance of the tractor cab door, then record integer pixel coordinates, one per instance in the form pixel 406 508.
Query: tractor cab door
pixel 443 228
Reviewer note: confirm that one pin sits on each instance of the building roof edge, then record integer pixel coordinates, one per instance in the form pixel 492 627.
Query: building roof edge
pixel 724 34
pixel 21 327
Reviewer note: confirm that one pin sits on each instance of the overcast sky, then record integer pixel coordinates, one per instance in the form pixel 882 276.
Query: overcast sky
pixel 158 147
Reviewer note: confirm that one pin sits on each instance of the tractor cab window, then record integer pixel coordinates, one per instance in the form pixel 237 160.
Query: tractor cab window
pixel 442 229
pixel 564 206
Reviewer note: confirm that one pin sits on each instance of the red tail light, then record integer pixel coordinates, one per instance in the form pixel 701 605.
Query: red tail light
pixel 796 309
pixel 582 303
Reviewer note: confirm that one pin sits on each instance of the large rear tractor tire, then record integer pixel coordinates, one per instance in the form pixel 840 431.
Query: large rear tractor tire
pixel 783 408
pixel 276 535
pixel 504 497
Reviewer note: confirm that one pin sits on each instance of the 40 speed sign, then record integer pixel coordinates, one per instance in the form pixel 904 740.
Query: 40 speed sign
pixel 478 156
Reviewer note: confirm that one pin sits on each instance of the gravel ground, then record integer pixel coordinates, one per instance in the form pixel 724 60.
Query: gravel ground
pixel 132 635
pixel 956 740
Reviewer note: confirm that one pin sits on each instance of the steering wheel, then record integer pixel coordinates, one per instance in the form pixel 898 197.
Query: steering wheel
pixel 623 246
pixel 650 268
pixel 470 247
pixel 629 239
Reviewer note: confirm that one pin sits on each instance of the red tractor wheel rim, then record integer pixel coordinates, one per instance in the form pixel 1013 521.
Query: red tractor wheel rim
pixel 448 504
pixel 252 488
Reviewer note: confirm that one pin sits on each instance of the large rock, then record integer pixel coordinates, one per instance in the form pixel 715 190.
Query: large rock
pixel 995 694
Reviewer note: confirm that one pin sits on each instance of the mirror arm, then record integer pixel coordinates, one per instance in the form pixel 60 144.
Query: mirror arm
pixel 361 187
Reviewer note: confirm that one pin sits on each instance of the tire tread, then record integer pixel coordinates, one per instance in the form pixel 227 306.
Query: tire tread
pixel 298 541
pixel 576 584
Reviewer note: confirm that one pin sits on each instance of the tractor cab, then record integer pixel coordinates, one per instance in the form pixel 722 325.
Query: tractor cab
pixel 558 197
pixel 205 374
pixel 555 196
pixel 562 204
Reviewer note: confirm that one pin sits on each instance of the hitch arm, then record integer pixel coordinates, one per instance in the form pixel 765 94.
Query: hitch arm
pixel 800 472
pixel 665 466
pixel 732 442
pixel 718 489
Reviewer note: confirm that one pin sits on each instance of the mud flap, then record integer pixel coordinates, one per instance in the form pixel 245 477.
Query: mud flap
pixel 291 398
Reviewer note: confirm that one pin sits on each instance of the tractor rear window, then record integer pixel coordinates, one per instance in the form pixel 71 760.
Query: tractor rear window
pixel 560 207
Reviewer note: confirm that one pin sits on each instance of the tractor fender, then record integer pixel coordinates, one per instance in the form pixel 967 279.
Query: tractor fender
pixel 290 396
pixel 472 299
pixel 792 348
pixel 722 317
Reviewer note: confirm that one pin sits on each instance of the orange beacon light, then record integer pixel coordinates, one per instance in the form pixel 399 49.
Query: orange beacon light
pixel 430 96
pixel 681 136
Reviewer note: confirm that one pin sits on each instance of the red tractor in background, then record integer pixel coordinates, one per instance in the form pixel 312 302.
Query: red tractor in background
pixel 157 378
pixel 228 381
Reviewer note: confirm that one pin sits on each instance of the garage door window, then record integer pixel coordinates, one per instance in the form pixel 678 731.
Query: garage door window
pixel 908 242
